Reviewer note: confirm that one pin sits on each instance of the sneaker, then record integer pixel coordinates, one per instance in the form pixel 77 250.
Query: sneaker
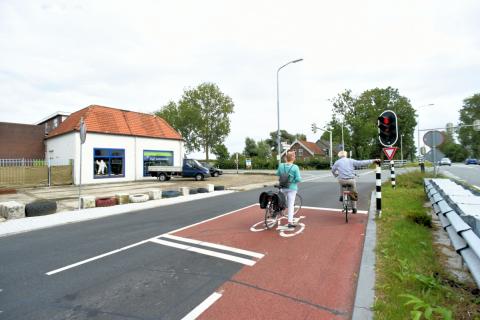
pixel 292 226
pixel 354 210
pixel 341 199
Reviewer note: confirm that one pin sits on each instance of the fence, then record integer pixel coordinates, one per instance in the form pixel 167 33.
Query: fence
pixel 34 172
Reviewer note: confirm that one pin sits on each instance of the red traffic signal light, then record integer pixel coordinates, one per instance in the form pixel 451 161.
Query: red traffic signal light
pixel 387 128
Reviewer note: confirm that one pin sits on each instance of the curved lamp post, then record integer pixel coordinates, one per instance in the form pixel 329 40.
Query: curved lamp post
pixel 278 110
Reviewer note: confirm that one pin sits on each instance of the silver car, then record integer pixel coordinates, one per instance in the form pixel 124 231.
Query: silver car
pixel 445 162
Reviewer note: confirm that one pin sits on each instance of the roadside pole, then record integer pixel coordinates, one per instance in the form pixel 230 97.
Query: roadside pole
pixel 83 136
pixel 392 174
pixel 378 189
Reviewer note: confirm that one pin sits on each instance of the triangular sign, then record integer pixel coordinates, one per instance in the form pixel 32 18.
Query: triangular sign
pixel 390 152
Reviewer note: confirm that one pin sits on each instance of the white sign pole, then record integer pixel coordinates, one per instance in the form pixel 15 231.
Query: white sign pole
pixel 83 136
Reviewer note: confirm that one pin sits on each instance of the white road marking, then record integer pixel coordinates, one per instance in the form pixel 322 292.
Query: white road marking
pixel 95 258
pixel 216 246
pixel 224 256
pixel 141 242
pixel 332 209
pixel 192 315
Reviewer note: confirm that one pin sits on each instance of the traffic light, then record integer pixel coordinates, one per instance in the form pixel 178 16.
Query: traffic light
pixel 314 127
pixel 387 128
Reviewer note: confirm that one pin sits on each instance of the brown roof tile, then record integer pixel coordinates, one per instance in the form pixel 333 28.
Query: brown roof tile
pixel 100 119
pixel 312 146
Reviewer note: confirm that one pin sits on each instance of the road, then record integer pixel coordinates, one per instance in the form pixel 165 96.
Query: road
pixel 136 266
pixel 468 173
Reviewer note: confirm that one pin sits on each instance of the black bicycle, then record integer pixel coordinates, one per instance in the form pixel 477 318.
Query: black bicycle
pixel 347 202
pixel 276 207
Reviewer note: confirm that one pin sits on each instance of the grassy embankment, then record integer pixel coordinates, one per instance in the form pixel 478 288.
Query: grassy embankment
pixel 412 282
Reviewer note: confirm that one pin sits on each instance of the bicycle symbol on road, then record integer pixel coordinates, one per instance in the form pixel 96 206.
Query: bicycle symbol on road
pixel 283 230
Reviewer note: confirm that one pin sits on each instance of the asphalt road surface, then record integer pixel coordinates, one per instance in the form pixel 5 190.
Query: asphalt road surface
pixel 469 173
pixel 170 263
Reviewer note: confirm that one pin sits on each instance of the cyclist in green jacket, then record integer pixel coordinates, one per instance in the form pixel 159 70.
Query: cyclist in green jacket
pixel 294 178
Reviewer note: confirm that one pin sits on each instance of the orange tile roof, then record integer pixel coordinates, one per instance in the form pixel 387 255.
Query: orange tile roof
pixel 100 119
pixel 312 146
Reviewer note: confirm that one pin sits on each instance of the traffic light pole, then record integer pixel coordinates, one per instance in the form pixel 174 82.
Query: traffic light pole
pixel 314 129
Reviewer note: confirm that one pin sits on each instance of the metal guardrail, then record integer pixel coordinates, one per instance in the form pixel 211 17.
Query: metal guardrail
pixel 442 194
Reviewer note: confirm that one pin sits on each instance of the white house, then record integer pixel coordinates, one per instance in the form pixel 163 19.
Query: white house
pixel 119 144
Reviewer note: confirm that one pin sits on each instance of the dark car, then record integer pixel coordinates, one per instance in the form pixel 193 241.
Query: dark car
pixel 214 172
pixel 471 161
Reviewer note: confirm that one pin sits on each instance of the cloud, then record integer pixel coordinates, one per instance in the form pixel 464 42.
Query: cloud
pixel 65 55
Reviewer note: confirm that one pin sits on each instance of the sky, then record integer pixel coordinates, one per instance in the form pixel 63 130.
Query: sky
pixel 139 55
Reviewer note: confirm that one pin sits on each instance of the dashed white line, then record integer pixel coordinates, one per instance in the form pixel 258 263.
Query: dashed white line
pixel 202 306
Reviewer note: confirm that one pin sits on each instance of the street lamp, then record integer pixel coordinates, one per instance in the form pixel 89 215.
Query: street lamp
pixel 278 110
pixel 418 124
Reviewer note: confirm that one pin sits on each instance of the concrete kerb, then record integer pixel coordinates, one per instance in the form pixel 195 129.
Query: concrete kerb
pixel 365 294
pixel 15 226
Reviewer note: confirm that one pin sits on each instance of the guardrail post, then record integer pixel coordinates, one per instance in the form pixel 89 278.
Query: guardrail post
pixel 378 189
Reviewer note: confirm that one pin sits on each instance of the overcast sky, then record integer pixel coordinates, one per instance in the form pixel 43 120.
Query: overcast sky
pixel 138 55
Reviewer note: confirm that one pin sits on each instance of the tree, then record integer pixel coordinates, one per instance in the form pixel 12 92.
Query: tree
pixel 263 149
pixel 221 151
pixel 250 147
pixel 359 115
pixel 284 137
pixel 201 116
pixel 468 137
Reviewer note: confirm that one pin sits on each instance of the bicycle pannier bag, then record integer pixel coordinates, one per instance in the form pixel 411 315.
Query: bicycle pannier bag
pixel 284 179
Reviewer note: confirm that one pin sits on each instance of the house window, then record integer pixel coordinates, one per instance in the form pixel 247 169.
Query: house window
pixel 156 158
pixel 300 152
pixel 55 123
pixel 108 163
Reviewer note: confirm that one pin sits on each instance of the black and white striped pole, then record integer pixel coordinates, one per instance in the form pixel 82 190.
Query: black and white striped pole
pixel 378 189
pixel 392 174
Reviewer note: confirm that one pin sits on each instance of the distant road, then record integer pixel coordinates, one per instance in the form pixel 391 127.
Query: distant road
pixel 469 173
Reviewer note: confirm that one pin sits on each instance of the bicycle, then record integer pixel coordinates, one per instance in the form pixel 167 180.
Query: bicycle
pixel 347 203
pixel 275 210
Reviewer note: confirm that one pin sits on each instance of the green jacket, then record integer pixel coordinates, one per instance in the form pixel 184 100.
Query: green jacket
pixel 294 174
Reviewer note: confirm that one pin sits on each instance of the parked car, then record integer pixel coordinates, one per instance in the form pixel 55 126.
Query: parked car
pixel 445 162
pixel 191 169
pixel 214 172
pixel 471 161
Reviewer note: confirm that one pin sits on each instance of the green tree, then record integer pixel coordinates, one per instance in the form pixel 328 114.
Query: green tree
pixel 468 137
pixel 284 137
pixel 263 150
pixel 221 151
pixel 359 115
pixel 201 116
pixel 250 147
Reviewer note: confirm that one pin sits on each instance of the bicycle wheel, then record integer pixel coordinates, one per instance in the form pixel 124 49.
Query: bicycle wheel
pixel 297 205
pixel 270 217
pixel 346 205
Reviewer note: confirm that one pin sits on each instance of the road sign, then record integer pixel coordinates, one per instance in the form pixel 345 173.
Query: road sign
pixel 390 152
pixel 433 138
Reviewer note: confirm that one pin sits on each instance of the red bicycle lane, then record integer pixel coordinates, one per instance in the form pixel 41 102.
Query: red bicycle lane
pixel 311 274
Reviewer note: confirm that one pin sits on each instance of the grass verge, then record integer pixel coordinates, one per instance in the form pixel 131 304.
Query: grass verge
pixel 411 281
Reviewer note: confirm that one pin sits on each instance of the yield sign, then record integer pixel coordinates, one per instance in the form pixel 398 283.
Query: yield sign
pixel 390 152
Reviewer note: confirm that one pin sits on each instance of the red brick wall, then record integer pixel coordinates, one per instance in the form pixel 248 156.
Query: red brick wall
pixel 21 141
